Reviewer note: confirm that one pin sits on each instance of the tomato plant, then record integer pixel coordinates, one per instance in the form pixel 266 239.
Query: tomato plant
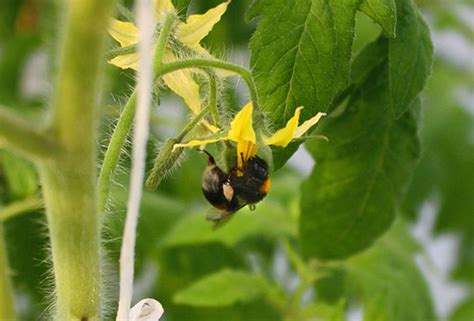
pixel 111 109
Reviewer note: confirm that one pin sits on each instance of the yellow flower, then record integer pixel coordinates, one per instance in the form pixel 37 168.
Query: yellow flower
pixel 190 33
pixel 242 132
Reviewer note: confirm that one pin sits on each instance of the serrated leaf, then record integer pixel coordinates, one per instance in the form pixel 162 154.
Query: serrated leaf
pixel 354 191
pixel 410 57
pixel 383 12
pixel 223 288
pixel 388 282
pixel 300 56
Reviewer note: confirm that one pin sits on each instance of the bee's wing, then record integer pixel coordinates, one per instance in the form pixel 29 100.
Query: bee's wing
pixel 220 217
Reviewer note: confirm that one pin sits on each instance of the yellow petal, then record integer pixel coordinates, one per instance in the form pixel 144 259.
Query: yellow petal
pixel 241 127
pixel 183 84
pixel 163 7
pixel 198 26
pixel 284 136
pixel 197 142
pixel 124 32
pixel 303 128
pixel 126 61
pixel 213 129
pixel 245 150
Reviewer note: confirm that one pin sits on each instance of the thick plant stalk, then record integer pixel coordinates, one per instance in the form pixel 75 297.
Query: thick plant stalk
pixel 7 306
pixel 69 178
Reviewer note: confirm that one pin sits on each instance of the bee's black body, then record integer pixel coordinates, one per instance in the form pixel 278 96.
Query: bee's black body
pixel 230 192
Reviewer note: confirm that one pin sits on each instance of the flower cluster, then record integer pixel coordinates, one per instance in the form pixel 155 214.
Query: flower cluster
pixel 190 34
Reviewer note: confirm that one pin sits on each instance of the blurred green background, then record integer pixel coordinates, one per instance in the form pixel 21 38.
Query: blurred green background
pixel 174 246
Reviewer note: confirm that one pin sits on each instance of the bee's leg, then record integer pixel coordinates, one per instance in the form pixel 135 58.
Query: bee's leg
pixel 210 159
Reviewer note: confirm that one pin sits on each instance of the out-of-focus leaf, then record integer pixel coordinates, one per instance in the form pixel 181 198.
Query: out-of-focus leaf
pixel 158 213
pixel 181 6
pixel 383 12
pixel 223 288
pixel 388 282
pixel 464 270
pixel 321 311
pixel 410 57
pixel 21 176
pixel 300 56
pixel 464 311
pixel 354 191
pixel 270 220
pixel 181 266
pixel 31 272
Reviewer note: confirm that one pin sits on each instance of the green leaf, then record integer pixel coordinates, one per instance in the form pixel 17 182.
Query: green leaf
pixel 223 288
pixel 369 58
pixel 410 57
pixel 270 220
pixel 383 12
pixel 300 56
pixel 464 311
pixel 20 174
pixel 388 282
pixel 354 191
pixel 320 311
pixel 181 6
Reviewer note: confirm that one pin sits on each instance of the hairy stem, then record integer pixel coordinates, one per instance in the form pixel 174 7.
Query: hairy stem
pixel 69 179
pixel 205 63
pixel 7 305
pixel 25 137
pixel 19 207
pixel 167 157
pixel 213 99
pixel 112 154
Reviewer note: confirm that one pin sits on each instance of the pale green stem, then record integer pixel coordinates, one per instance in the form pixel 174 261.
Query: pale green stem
pixel 213 100
pixel 25 137
pixel 7 304
pixel 112 155
pixel 305 271
pixel 204 63
pixel 167 157
pixel 26 205
pixel 120 51
pixel 69 180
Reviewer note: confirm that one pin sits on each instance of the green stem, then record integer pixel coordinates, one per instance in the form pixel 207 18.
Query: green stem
pixel 305 271
pixel 200 63
pixel 7 304
pixel 120 51
pixel 69 180
pixel 167 157
pixel 25 137
pixel 26 205
pixel 112 155
pixel 213 99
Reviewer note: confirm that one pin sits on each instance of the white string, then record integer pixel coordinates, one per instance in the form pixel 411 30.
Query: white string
pixel 144 10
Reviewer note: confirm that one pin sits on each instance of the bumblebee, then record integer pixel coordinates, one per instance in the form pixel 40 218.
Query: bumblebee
pixel 230 192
